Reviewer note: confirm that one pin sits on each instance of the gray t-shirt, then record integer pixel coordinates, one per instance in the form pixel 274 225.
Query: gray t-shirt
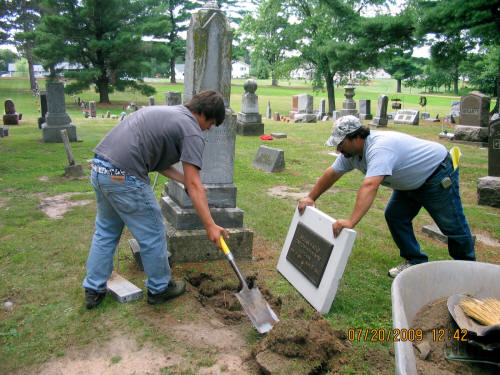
pixel 153 139
pixel 405 161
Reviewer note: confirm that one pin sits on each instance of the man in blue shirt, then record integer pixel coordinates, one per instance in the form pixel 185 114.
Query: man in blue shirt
pixel 421 174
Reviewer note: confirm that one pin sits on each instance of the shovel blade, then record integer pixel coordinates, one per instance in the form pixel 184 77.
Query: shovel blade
pixel 258 310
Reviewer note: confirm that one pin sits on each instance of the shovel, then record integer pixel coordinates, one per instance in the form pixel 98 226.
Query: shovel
pixel 256 307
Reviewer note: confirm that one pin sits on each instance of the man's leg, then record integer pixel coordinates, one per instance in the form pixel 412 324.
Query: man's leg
pixel 109 227
pixel 445 207
pixel 399 213
pixel 138 208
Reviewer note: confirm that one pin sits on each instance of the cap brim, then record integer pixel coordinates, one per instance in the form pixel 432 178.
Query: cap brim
pixel 334 141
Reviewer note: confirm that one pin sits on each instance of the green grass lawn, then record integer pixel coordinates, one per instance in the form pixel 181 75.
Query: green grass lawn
pixel 42 260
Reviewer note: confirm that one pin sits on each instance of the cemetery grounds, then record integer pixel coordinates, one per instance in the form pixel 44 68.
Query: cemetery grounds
pixel 47 222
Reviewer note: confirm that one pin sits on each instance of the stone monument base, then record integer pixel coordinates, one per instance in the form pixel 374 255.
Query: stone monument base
pixel 194 246
pixel 75 170
pixel 488 191
pixel 471 133
pixel 11 119
pixel 305 118
pixel 187 218
pixel 246 129
pixel 378 122
pixel 52 134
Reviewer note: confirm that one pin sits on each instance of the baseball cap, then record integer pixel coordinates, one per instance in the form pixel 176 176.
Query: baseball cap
pixel 343 126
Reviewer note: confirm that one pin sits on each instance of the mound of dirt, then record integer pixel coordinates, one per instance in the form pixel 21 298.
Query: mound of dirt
pixel 438 328
pixel 219 295
pixel 301 347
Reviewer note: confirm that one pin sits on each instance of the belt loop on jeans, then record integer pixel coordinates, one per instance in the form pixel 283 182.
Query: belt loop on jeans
pixel 441 165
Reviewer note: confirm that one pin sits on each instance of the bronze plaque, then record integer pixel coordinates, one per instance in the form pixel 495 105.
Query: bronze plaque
pixel 309 253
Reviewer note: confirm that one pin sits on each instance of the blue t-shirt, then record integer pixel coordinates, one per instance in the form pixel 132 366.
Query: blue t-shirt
pixel 405 161
pixel 152 139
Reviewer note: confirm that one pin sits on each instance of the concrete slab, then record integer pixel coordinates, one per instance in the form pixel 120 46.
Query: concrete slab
pixel 320 224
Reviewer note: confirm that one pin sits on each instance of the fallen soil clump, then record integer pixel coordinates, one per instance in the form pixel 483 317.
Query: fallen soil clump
pixel 439 341
pixel 297 346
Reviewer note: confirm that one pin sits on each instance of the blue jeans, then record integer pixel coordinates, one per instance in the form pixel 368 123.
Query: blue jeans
pixel 132 203
pixel 444 206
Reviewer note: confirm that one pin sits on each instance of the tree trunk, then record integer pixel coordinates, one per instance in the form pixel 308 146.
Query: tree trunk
pixel 29 57
pixel 274 80
pixel 456 77
pixel 398 89
pixel 172 70
pixel 103 87
pixel 330 89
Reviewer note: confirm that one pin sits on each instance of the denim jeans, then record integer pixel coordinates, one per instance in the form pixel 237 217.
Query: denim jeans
pixel 131 203
pixel 444 206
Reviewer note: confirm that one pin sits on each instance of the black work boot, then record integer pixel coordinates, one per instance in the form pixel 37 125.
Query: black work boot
pixel 93 298
pixel 175 288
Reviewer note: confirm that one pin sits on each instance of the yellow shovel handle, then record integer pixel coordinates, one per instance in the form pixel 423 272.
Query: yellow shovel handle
pixel 223 244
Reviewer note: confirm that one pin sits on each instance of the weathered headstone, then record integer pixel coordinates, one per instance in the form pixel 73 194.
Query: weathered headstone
pixel 278 135
pixel 365 111
pixel 322 107
pixel 4 131
pixel 305 112
pixel 407 116
pixel 455 110
pixel 249 120
pixel 72 169
pixel 474 118
pixel 277 116
pixel 43 108
pixel 269 159
pixel 208 66
pixel 380 119
pixel 312 260
pixel 488 188
pixel 108 114
pixel 93 109
pixel 295 106
pixel 336 115
pixel 268 110
pixel 173 98
pixel 57 119
pixel 349 105
pixel 151 100
pixel 10 117
pixel 425 115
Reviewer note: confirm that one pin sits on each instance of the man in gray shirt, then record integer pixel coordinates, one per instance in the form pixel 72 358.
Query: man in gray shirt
pixel 151 139
pixel 421 174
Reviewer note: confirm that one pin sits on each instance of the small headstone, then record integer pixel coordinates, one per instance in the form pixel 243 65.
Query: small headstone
pixel 278 135
pixel 10 117
pixel 268 110
pixel 324 118
pixel 93 109
pixel 322 107
pixel 305 103
pixel 433 231
pixel 249 121
pixel 114 117
pixel 365 109
pixel 108 114
pixel 173 98
pixel 455 109
pixel 425 115
pixel 312 260
pixel 4 131
pixel 277 116
pixel 86 114
pixel 151 100
pixel 336 115
pixel 269 159
pixel 380 119
pixel 407 116
pixel 43 108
